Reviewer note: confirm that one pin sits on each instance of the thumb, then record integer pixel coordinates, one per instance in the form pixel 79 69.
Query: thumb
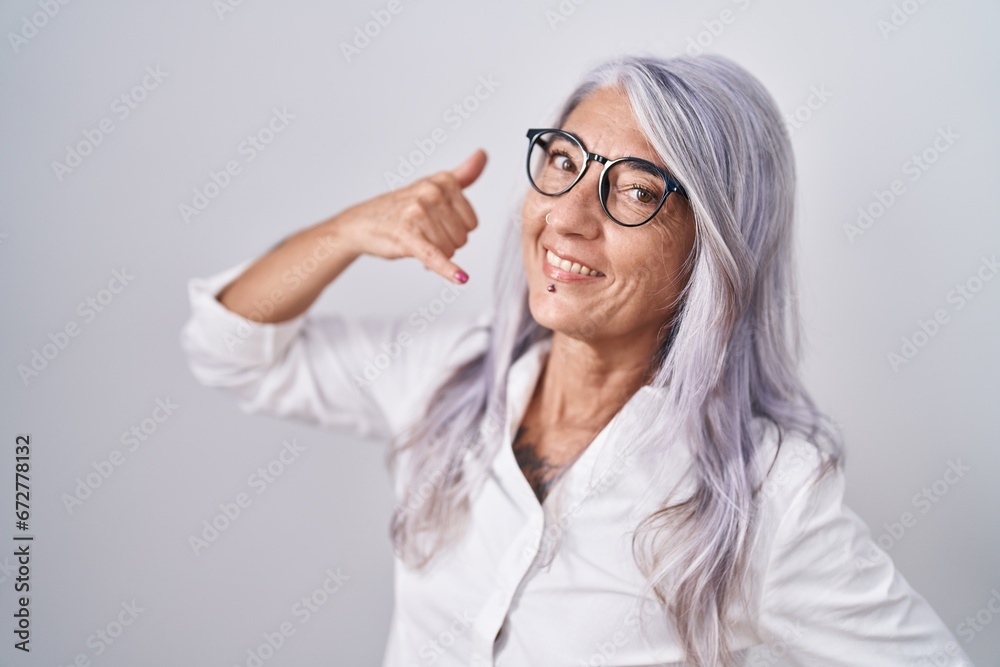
pixel 469 171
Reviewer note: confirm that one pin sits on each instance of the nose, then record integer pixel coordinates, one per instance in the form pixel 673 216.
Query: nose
pixel 579 210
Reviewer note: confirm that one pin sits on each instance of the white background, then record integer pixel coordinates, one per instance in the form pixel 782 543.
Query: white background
pixel 60 241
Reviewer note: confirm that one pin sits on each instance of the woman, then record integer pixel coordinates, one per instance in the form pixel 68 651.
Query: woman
pixel 618 464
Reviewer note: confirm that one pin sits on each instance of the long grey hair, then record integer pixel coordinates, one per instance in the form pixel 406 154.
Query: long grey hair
pixel 730 358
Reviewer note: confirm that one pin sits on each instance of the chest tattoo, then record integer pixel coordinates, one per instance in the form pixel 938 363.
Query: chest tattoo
pixel 540 472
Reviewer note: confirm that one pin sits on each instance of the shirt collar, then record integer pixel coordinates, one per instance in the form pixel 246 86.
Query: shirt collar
pixel 522 378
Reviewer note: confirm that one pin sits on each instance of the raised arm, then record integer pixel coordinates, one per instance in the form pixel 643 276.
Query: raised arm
pixel 251 335
pixel 429 220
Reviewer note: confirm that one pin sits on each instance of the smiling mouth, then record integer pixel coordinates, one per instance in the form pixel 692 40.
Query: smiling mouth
pixel 566 265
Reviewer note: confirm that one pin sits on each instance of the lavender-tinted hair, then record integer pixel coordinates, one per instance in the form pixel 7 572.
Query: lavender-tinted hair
pixel 729 362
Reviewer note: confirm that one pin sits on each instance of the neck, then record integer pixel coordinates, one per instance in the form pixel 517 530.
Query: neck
pixel 585 381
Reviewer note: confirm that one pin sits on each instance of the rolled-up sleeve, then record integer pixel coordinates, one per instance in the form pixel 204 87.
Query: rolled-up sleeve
pixel 368 375
pixel 832 597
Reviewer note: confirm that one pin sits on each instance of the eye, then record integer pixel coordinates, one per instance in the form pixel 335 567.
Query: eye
pixel 562 161
pixel 641 194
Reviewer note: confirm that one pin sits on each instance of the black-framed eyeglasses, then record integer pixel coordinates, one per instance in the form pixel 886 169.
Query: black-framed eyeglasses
pixel 631 190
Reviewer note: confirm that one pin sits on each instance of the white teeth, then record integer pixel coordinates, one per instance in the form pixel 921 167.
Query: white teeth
pixel 566 265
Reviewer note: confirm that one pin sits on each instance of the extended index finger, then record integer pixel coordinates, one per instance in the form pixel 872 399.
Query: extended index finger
pixel 434 259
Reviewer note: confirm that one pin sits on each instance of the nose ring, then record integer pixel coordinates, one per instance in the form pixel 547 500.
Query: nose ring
pixel 547 219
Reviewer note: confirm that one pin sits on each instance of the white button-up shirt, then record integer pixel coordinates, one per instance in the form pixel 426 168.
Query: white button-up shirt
pixel 825 593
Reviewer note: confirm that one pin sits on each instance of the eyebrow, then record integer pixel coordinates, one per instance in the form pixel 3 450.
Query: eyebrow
pixel 647 166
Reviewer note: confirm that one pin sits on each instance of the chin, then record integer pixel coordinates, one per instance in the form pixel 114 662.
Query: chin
pixel 557 315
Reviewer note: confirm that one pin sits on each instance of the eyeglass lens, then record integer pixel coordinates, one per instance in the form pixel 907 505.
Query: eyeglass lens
pixel 631 189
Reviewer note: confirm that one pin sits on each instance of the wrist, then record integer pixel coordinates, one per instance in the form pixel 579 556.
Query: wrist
pixel 336 231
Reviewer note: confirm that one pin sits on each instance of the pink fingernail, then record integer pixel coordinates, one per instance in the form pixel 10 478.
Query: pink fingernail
pixel 461 276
